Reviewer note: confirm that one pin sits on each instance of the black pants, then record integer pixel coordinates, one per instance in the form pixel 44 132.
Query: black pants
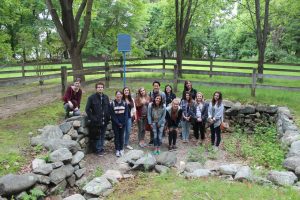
pixel 215 135
pixel 172 137
pixel 151 137
pixel 119 137
pixel 199 126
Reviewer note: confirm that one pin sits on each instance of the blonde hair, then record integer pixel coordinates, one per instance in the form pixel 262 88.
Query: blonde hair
pixel 200 93
pixel 175 100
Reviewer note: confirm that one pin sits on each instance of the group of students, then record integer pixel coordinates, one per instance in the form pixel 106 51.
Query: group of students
pixel 159 112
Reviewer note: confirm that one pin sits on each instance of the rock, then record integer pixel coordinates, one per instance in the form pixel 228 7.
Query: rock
pixel 73 133
pixel 41 187
pixel 13 184
pixel 297 171
pixel 284 111
pixel 161 169
pixel 79 173
pixel 74 118
pixel 123 167
pixel 82 164
pixel 58 175
pixel 57 164
pixel 282 178
pixel 198 173
pixel 244 173
pixel 232 111
pixel 226 177
pixel 294 149
pixel 227 103
pixel 76 167
pixel 65 127
pixel 63 155
pixel 291 163
pixel 272 109
pixel 81 182
pixel 230 169
pixel 289 137
pixel 75 197
pixel 147 162
pixel 71 180
pixel 60 187
pixel 247 109
pixel 131 156
pixel 37 162
pixel 97 186
pixel 113 176
pixel 192 166
pixel 84 131
pixel 44 169
pixel 54 144
pixel 261 181
pixel 76 124
pixel 77 157
pixel 43 179
pixel 67 137
pixel 167 158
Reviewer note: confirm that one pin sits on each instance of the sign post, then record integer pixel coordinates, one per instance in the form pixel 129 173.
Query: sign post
pixel 124 46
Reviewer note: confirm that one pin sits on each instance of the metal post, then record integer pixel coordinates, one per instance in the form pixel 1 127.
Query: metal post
pixel 121 64
pixel 124 68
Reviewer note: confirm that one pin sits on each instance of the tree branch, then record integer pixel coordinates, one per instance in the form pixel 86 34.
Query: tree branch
pixel 251 15
pixel 87 22
pixel 79 13
pixel 266 23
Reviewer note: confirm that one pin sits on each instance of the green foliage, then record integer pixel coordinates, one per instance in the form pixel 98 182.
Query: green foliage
pixel 38 148
pixel 10 162
pixel 34 194
pixel 197 154
pixel 260 148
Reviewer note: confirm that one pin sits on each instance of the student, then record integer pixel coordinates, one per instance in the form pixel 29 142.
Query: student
pixel 72 98
pixel 187 115
pixel 119 117
pixel 131 115
pixel 98 112
pixel 141 101
pixel 169 95
pixel 201 114
pixel 156 119
pixel 189 88
pixel 215 117
pixel 155 92
pixel 173 117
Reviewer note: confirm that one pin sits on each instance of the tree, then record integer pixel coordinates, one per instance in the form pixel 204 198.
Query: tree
pixel 69 29
pixel 184 12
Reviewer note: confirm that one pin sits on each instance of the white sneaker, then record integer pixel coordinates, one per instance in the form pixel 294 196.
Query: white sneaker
pixel 121 152
pixel 118 153
pixel 216 148
pixel 129 147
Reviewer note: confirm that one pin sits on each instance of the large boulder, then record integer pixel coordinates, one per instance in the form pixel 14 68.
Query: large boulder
pixel 161 169
pixel 44 169
pixel 65 127
pixel 13 184
pixel 192 166
pixel 282 178
pixel 227 103
pixel 75 197
pixel 47 133
pixel 294 149
pixel 97 186
pixel 244 173
pixel 54 144
pixel 230 169
pixel 146 162
pixel 77 157
pixel 113 176
pixel 291 163
pixel 37 162
pixel 167 158
pixel 247 109
pixel 284 111
pixel 289 137
pixel 198 173
pixel 131 156
pixel 268 109
pixel 58 175
pixel 63 155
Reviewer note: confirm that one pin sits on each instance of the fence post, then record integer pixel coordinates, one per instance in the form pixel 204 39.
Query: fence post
pixel 107 75
pixel 23 69
pixel 64 77
pixel 210 68
pixel 164 66
pixel 121 66
pixel 175 77
pixel 253 86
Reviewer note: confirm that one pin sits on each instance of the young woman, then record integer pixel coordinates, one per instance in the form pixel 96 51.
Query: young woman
pixel 173 117
pixel 169 95
pixel 187 114
pixel 141 101
pixel 189 88
pixel 131 115
pixel 119 116
pixel 156 119
pixel 72 98
pixel 215 117
pixel 201 114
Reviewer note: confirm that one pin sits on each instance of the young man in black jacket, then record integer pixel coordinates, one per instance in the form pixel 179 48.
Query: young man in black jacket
pixel 98 112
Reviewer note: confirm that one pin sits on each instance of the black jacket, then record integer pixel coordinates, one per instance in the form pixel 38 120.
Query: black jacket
pixel 170 122
pixel 169 98
pixel 98 111
pixel 204 111
pixel 193 93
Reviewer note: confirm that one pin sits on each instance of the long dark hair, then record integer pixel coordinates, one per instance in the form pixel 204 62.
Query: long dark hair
pixel 161 102
pixel 190 99
pixel 129 96
pixel 170 87
pixel 185 87
pixel 213 101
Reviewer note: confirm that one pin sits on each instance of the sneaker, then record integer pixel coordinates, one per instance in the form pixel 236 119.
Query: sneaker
pixel 121 152
pixel 174 147
pixel 100 154
pixel 129 147
pixel 170 148
pixel 118 153
pixel 154 152
pixel 157 152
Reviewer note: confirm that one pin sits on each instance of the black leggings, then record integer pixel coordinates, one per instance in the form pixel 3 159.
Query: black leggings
pixel 172 137
pixel 199 126
pixel 215 132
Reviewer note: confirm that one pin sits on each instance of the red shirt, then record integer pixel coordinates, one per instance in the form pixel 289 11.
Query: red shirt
pixel 74 97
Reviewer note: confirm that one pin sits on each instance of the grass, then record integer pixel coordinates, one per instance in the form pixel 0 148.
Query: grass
pixel 170 186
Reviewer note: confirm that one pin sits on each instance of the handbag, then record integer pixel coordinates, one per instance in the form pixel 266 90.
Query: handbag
pixel 224 126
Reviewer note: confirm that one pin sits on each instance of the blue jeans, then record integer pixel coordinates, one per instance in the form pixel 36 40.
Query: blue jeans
pixel 127 131
pixel 157 135
pixel 99 143
pixel 185 129
pixel 68 109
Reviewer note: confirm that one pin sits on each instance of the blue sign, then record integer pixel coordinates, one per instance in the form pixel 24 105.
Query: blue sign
pixel 124 41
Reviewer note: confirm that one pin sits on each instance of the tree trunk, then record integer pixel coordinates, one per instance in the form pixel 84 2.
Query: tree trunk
pixel 260 67
pixel 76 61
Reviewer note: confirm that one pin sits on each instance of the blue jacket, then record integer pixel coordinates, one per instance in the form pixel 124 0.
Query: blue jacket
pixel 119 113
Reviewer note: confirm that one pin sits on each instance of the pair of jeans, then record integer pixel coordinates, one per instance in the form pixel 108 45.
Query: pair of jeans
pixel 127 131
pixel 215 135
pixel 157 134
pixel 199 126
pixel 185 129
pixel 68 109
pixel 119 137
pixel 141 128
pixel 99 141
